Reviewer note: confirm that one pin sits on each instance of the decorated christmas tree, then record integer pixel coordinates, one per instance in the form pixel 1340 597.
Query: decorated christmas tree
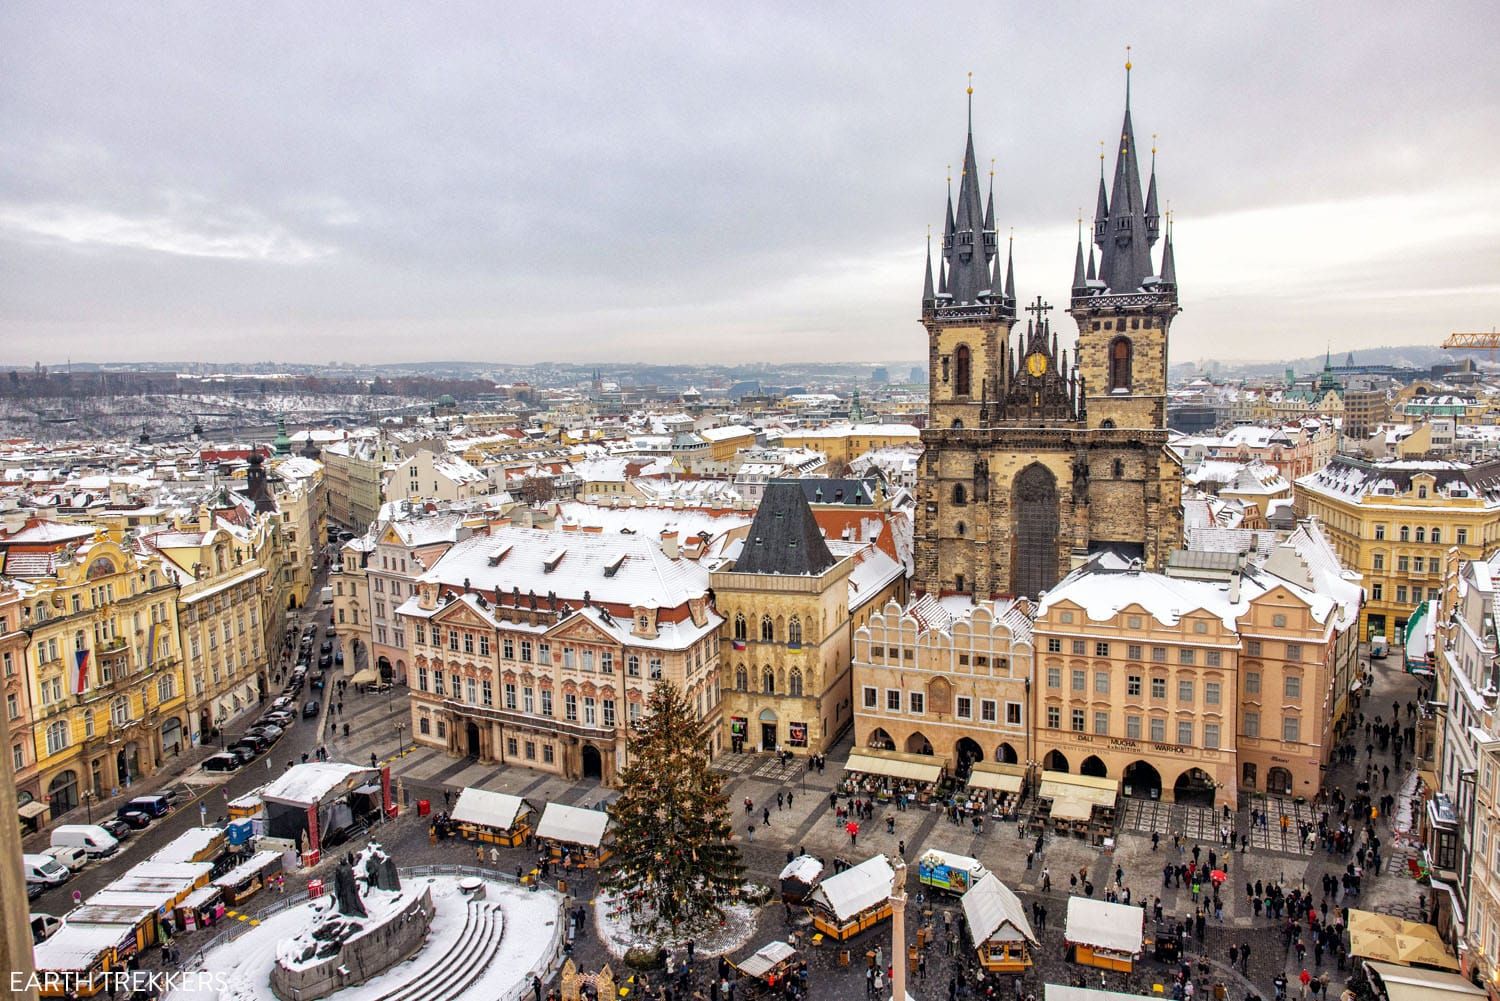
pixel 674 865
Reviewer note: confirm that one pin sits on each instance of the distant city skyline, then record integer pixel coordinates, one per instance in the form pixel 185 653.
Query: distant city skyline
pixel 663 185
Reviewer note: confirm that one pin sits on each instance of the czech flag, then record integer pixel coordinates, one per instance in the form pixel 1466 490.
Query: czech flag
pixel 737 644
pixel 81 683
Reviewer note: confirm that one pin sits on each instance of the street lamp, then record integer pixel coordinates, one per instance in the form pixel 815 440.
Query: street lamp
pixel 400 727
pixel 219 723
pixel 88 803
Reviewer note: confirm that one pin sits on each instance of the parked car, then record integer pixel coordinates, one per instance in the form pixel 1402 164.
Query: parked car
pixel 44 870
pixel 255 739
pixel 338 658
pixel 154 807
pixel 245 752
pixel 283 702
pixel 222 762
pixel 327 646
pixel 325 661
pixel 310 709
pixel 43 926
pixel 118 828
pixel 135 818
pixel 70 857
pixel 279 718
pixel 92 838
pixel 272 731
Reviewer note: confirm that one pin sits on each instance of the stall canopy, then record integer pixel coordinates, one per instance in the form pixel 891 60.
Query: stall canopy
pixel 368 676
pixel 996 775
pixel 78 947
pixel 855 890
pixel 896 765
pixel 33 809
pixel 311 782
pixel 1102 925
pixel 489 809
pixel 1403 983
pixel 251 867
pixel 994 913
pixel 1088 789
pixel 766 959
pixel 192 845
pixel 573 825
pixel 1391 939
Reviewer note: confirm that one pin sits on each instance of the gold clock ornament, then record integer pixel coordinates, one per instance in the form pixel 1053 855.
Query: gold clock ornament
pixel 1036 364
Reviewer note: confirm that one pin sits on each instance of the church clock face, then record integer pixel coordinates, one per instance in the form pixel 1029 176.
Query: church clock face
pixel 1036 364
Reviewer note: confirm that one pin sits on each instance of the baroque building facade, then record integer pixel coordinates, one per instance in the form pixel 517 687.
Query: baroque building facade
pixel 1035 460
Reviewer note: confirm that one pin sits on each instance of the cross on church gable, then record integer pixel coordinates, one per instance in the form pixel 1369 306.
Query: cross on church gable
pixel 1039 310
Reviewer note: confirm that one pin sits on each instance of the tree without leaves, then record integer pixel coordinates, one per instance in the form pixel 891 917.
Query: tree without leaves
pixel 537 489
pixel 672 836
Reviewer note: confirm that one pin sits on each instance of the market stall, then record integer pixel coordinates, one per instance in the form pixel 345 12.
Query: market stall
pixel 1108 936
pixel 247 878
pixel 845 904
pixel 196 844
pixel 998 927
pixel 886 775
pixel 574 833
pixel 1080 805
pixel 799 877
pixel 246 806
pixel 134 926
pixel 202 908
pixel 769 964
pixel 495 817
pixel 994 788
pixel 76 955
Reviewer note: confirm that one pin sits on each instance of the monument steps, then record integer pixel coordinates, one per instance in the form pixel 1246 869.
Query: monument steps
pixel 463 963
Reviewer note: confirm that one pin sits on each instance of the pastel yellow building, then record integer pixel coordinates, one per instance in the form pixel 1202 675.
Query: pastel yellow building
pixel 107 692
pixel 843 443
pixel 1394 521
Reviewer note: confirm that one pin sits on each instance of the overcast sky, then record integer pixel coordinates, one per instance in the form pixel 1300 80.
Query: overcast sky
pixel 623 182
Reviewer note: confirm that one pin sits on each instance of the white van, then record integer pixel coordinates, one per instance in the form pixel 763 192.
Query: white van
pixel 327 597
pixel 44 869
pixel 92 838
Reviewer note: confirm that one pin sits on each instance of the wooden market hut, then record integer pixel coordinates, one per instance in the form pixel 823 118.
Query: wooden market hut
pixel 494 817
pixel 845 904
pixel 998 927
pixel 581 833
pixel 1108 936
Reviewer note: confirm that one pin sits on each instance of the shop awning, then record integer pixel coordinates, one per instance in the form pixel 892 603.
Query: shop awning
pixel 1071 808
pixel 1086 788
pixel 995 775
pixel 33 809
pixel 366 677
pixel 894 764
pixel 1403 983
pixel 1390 939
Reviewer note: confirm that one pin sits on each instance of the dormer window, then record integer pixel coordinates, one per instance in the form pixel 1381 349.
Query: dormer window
pixel 1421 495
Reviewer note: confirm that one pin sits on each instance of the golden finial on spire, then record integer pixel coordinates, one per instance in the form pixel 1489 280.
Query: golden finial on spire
pixel 1153 144
pixel 971 82
pixel 1127 59
pixel 992 166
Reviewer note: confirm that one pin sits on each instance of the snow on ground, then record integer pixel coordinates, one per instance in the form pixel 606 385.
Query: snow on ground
pixel 531 924
pixel 618 937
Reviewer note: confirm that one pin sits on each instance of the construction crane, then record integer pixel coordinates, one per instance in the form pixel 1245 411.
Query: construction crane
pixel 1474 340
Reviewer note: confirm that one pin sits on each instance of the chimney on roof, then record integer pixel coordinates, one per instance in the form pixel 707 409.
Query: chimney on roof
pixel 669 543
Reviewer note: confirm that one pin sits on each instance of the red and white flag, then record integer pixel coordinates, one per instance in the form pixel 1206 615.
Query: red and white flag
pixel 81 680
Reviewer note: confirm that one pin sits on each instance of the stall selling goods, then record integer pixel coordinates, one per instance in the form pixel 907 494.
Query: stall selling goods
pixel 799 877
pixel 1108 936
pixel 579 835
pixel 998 927
pixel 846 904
pixel 495 817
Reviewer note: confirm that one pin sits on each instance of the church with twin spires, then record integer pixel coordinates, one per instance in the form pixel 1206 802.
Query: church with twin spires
pixel 1036 459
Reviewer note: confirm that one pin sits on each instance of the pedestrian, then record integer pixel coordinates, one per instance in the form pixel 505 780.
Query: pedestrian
pixel 1046 881
pixel 779 798
pixel 750 828
pixel 765 815
pixel 788 801
pixel 1245 958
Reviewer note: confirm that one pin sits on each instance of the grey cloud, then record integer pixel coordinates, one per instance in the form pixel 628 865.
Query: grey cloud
pixel 660 181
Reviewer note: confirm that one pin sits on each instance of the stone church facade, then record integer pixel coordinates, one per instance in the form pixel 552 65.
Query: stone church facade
pixel 1034 459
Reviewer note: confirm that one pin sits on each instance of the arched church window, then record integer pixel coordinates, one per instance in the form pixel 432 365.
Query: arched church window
pixel 1106 424
pixel 961 528
pixel 739 626
pixel 959 495
pixel 1119 469
pixel 958 425
pixel 961 370
pixel 1119 363
pixel 767 630
pixel 958 583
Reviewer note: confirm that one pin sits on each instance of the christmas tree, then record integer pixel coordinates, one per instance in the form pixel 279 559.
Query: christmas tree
pixel 673 864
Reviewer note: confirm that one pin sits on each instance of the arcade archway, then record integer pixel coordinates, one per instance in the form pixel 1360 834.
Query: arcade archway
pixel 1141 779
pixel 1093 766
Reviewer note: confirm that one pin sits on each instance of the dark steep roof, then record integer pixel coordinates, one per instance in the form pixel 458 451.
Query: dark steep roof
pixel 784 538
